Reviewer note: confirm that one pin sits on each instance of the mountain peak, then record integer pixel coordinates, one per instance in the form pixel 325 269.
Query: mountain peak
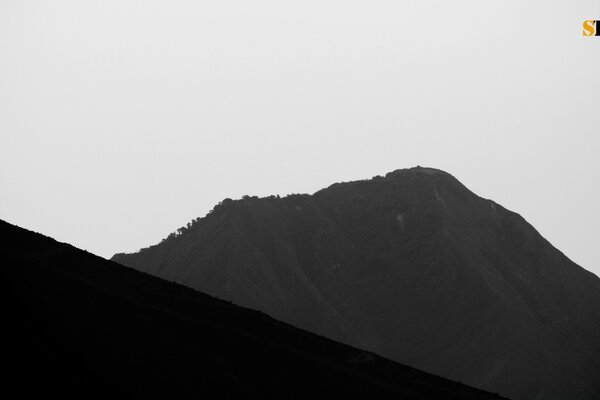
pixel 417 169
pixel 413 266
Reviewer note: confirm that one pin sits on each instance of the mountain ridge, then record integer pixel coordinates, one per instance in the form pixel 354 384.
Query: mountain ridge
pixel 413 266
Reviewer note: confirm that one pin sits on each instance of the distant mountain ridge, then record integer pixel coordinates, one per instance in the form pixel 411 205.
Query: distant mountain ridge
pixel 413 266
pixel 77 325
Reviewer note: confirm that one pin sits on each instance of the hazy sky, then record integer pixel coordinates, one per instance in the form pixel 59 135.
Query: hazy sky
pixel 120 121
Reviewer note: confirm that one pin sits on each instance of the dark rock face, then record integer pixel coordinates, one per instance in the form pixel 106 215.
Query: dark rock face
pixel 412 266
pixel 77 325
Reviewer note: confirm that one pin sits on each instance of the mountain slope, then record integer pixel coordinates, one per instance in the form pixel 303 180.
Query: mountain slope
pixel 76 324
pixel 412 266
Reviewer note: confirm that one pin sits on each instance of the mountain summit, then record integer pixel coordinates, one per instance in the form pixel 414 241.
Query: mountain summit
pixel 413 266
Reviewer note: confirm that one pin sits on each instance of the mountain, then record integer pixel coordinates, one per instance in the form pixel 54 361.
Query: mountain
pixel 412 266
pixel 77 325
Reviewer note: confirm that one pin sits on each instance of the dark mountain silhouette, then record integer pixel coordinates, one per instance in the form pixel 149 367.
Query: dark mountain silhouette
pixel 412 266
pixel 76 324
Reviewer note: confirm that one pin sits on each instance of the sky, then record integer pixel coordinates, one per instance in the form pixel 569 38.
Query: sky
pixel 121 121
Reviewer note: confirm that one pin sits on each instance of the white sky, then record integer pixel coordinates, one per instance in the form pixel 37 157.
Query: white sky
pixel 122 120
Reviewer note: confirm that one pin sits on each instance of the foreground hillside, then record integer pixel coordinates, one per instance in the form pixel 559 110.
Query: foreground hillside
pixel 76 324
pixel 413 266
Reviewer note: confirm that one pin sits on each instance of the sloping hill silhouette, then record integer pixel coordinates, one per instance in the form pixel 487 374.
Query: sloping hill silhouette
pixel 413 266
pixel 76 324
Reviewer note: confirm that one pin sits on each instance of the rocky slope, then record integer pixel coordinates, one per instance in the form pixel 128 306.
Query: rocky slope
pixel 77 325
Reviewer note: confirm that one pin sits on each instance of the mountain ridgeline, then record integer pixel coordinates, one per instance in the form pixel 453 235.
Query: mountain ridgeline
pixel 412 266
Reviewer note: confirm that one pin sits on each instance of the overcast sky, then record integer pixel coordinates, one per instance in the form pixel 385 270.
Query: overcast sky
pixel 120 121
